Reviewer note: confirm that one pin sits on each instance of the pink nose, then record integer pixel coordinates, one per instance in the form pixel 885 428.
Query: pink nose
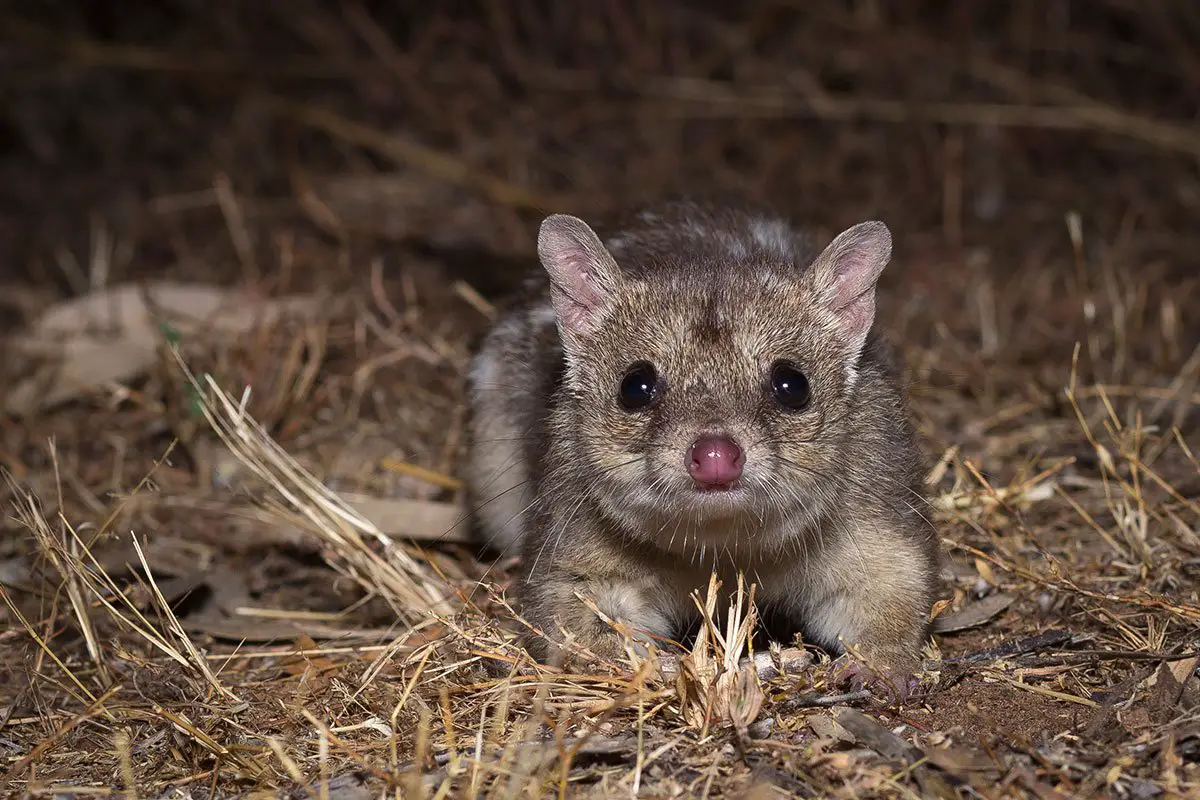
pixel 715 461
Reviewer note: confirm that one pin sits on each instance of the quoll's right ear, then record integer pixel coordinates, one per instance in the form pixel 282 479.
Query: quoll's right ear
pixel 583 274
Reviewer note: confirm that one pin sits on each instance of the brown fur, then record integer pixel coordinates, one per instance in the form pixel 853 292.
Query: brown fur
pixel 598 500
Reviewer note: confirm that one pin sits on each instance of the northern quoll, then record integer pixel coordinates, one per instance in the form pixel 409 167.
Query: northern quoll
pixel 702 390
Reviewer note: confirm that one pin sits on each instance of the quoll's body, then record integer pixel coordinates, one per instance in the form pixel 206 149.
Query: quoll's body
pixel 700 390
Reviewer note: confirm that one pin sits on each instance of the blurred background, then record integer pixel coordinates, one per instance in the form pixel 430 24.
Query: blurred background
pixel 449 127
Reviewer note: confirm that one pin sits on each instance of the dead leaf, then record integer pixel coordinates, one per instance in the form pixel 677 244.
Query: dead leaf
pixel 315 670
pixel 1183 669
pixel 763 789
pixel 424 520
pixel 219 615
pixel 973 614
pixel 958 761
pixel 112 335
pixel 745 697
pixel 877 737
pixel 826 727
pixel 841 761
pixel 889 745
pixel 1136 720
pixel 939 607
pixel 1161 702
pixel 694 699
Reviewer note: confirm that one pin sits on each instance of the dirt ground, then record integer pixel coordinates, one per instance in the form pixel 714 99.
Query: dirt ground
pixel 186 612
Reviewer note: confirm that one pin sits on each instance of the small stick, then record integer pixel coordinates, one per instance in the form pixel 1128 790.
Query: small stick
pixel 817 699
pixel 1043 641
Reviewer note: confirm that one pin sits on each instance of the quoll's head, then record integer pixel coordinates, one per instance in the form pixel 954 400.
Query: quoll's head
pixel 711 371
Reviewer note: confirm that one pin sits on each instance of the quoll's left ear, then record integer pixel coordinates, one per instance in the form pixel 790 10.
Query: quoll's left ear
pixel 845 274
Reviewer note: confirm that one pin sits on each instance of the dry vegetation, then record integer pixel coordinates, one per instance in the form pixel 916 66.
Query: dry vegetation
pixel 210 592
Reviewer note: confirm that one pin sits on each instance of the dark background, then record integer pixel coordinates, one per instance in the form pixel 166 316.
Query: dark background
pixel 961 124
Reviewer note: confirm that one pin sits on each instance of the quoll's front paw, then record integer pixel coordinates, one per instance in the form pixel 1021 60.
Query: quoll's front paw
pixel 594 644
pixel 894 684
pixel 602 646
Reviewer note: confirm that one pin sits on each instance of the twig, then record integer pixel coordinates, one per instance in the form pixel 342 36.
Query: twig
pixel 1042 690
pixel 818 699
pixel 1043 641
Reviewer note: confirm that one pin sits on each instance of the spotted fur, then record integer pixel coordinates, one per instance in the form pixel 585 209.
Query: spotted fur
pixel 830 522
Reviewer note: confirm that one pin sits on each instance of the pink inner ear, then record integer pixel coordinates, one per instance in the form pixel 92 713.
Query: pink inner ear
pixel 574 316
pixel 579 268
pixel 849 269
pixel 574 292
pixel 582 285
pixel 854 296
pixel 854 277
pixel 859 312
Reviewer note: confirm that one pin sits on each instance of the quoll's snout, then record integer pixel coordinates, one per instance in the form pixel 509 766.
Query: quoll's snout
pixel 714 462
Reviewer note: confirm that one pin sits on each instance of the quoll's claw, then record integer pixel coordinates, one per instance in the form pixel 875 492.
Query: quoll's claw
pixel 894 687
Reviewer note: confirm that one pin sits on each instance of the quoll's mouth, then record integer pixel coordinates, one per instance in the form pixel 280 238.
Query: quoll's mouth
pixel 715 488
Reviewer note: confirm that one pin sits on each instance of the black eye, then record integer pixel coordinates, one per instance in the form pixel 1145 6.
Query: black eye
pixel 639 387
pixel 789 386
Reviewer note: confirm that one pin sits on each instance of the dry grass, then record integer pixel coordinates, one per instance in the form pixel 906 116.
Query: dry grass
pixel 195 604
